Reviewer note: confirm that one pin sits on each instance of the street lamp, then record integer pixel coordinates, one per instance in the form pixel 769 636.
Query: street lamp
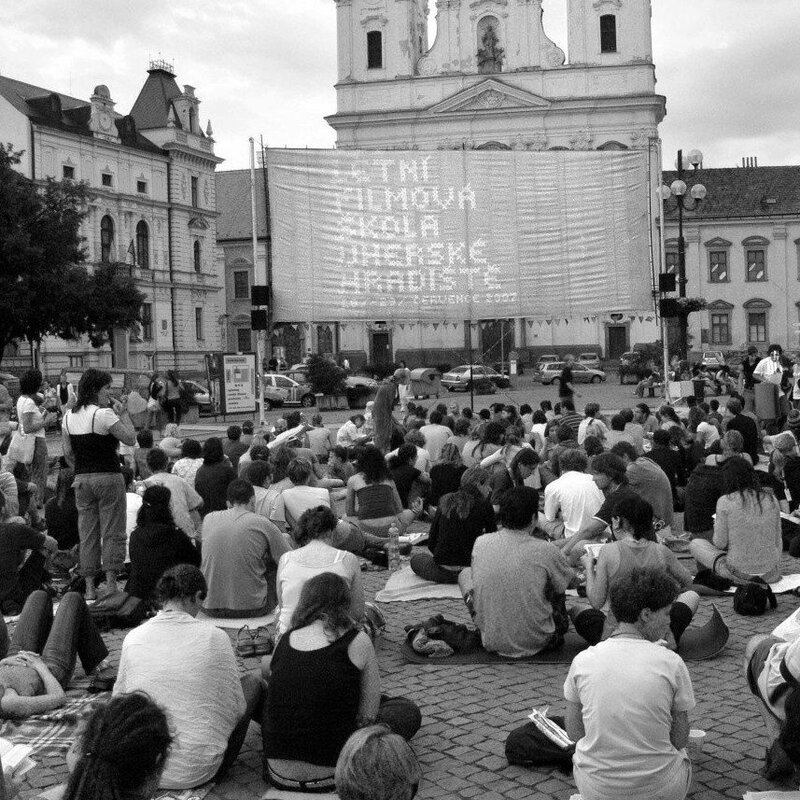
pixel 678 189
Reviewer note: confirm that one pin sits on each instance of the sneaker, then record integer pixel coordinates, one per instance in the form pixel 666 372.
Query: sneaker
pixel 374 620
pixel 263 643
pixel 245 645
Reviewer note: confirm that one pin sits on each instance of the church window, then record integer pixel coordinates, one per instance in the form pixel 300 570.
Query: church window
pixel 194 186
pixel 608 33
pixel 68 172
pixel 106 239
pixel 374 50
pixel 142 245
pixel 107 179
pixel 198 264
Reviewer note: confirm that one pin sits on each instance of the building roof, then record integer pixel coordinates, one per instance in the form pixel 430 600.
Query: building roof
pixel 742 192
pixel 233 205
pixel 55 110
pixel 152 106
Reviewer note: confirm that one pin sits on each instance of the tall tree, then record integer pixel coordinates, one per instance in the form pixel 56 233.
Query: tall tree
pixel 45 288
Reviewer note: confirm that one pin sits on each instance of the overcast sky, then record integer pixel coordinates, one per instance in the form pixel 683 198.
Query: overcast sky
pixel 729 68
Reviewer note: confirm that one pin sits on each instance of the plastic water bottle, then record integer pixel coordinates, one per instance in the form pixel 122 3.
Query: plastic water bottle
pixel 393 548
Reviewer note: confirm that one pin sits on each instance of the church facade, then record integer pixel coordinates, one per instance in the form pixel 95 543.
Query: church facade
pixel 493 79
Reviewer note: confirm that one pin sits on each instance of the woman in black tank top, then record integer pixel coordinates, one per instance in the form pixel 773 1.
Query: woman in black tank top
pixel 324 684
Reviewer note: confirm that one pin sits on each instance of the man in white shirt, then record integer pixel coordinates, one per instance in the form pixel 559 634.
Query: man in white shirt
pixel 436 435
pixel 300 496
pixel 769 367
pixel 402 377
pixel 573 499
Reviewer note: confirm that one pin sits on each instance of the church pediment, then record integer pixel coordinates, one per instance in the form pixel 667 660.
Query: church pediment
pixel 489 95
pixel 198 224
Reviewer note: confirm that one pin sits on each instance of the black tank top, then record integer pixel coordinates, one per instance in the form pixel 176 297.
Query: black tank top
pixel 94 452
pixel 312 703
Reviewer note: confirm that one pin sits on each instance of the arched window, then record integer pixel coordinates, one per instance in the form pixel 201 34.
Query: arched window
pixel 608 33
pixel 197 260
pixel 143 245
pixel 106 239
pixel 374 50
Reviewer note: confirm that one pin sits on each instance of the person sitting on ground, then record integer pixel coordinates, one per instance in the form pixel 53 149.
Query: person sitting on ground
pixel 513 442
pixel 422 461
pixel 233 446
pixel 350 435
pixel 516 584
pixel 668 457
pixel 591 424
pixel 121 751
pixel 538 432
pixel 20 576
pixel 651 483
pixel 189 668
pixel 747 541
pixel 410 482
pixel 60 511
pixel 373 498
pixel 488 439
pixel 619 433
pixel 462 516
pixel 633 429
pixel 37 664
pixel 572 500
pixel 315 535
pixel 704 432
pixel 321 440
pixel 524 471
pixel 185 502
pixel 446 475
pixel 704 486
pixel 156 545
pixel 634 548
pixel 668 418
pixel 377 764
pixel 746 426
pixel 592 446
pixel 731 444
pixel 240 557
pixel 643 417
pixel 339 465
pixel 172 441
pixel 569 416
pixel 461 431
pixel 189 463
pixel 213 477
pixel 323 685
pixel 565 440
pixel 259 474
pixel 144 444
pixel 628 743
pixel 259 449
pixel 610 476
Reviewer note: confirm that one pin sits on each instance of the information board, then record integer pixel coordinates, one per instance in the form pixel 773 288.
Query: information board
pixel 239 383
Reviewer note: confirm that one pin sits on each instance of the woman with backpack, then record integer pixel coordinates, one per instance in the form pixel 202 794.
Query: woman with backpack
pixel 747 543
pixel 171 398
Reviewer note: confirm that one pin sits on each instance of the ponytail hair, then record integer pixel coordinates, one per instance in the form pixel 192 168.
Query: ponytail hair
pixel 123 750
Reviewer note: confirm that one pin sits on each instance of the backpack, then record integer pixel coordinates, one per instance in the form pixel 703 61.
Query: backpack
pixel 527 746
pixel 120 610
pixel 751 599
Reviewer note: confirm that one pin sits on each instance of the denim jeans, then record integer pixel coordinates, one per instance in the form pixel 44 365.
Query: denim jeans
pixel 59 641
pixel 102 517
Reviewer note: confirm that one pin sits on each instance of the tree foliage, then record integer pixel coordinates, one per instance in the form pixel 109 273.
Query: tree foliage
pixel 45 287
pixel 325 376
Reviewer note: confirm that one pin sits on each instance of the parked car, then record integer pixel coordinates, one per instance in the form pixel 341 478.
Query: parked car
pixel 459 378
pixel 299 373
pixel 200 395
pixel 546 358
pixel 551 374
pixel 590 360
pixel 712 358
pixel 281 390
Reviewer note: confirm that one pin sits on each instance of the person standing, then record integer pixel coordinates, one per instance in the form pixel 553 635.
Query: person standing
pixel 5 410
pixel 172 397
pixel 91 432
pixel 402 377
pixel 66 393
pixel 566 390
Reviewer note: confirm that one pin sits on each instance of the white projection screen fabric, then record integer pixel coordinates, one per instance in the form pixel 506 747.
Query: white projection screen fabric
pixel 455 235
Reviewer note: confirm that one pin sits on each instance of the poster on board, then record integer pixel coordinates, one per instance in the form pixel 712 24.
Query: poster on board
pixel 455 235
pixel 239 383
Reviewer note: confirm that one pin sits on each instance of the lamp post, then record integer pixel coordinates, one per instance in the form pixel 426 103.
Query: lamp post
pixel 678 189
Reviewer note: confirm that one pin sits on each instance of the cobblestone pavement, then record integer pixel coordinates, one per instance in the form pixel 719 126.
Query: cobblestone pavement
pixel 468 712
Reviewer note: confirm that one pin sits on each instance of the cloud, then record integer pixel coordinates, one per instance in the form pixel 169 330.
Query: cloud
pixel 727 67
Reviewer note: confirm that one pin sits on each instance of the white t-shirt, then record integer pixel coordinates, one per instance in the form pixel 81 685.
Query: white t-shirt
pixel 422 461
pixel 291 503
pixel 627 745
pixel 27 405
pixel 707 434
pixel 183 500
pixel 436 437
pixel 576 496
pixel 187 666
pixel 133 502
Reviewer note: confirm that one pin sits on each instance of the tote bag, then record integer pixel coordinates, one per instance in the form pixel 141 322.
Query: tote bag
pixel 21 447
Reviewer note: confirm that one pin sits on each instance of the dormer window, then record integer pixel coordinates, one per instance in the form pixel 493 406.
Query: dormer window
pixel 191 120
pixel 608 33
pixel 374 50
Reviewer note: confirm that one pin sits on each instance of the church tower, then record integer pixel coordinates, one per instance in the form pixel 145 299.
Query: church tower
pixel 609 32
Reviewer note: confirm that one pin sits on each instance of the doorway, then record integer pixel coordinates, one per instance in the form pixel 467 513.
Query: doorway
pixel 380 349
pixel 617 336
pixel 497 340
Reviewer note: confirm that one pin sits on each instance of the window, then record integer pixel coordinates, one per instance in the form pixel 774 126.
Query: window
pixel 608 33
pixel 106 239
pixel 757 326
pixel 142 245
pixel 76 362
pixel 194 191
pixel 283 383
pixel 241 285
pixel 197 256
pixel 141 187
pixel 147 321
pixel 718 266
pixel 374 50
pixel 756 264
pixel 68 173
pixel 107 179
pixel 244 340
pixel 198 323
pixel 671 262
pixel 721 328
